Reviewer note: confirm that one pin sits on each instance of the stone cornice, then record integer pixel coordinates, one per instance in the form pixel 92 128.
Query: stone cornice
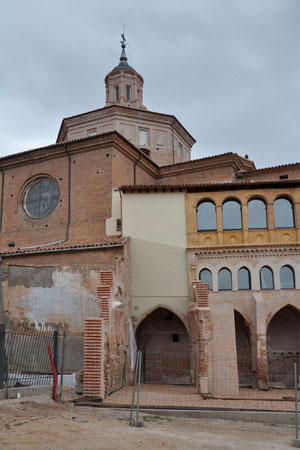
pixel 249 250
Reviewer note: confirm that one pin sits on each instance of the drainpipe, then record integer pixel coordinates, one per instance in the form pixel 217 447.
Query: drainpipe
pixel 121 210
pixel 134 169
pixel 2 197
pixel 1 296
pixel 69 193
pixel 173 144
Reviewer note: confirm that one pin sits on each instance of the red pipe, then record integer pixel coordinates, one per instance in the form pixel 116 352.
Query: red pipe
pixel 54 373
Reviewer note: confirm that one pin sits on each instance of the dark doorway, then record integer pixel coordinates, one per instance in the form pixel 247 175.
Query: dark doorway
pixel 163 339
pixel 243 350
pixel 283 346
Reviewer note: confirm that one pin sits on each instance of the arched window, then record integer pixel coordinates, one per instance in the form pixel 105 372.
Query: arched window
pixel 224 280
pixel 206 277
pixel 232 215
pixel 257 213
pixel 244 279
pixel 287 278
pixel 266 278
pixel 206 216
pixel 284 213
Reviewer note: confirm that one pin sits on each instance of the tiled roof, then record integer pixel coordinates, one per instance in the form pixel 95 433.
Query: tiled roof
pixel 207 186
pixel 251 172
pixel 82 244
pixel 200 159
pixel 57 144
pixel 62 143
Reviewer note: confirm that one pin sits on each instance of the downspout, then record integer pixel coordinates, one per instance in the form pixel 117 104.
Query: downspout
pixel 69 193
pixel 173 144
pixel 1 221
pixel 1 296
pixel 134 169
pixel 121 210
pixel 2 197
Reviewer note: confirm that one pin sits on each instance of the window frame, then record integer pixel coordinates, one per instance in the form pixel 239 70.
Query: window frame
pixel 241 214
pixel 128 90
pixel 284 197
pixel 228 270
pixel 35 182
pixel 293 273
pixel 146 131
pixel 207 230
pixel 266 213
pixel 117 93
pixel 260 279
pixel 250 284
pixel 211 275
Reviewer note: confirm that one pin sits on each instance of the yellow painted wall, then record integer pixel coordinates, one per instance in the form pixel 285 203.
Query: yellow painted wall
pixel 245 236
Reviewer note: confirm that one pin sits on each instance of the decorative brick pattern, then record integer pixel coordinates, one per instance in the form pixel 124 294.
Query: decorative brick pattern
pixel 106 279
pixel 93 375
pixel 104 292
pixel 201 291
pixel 105 310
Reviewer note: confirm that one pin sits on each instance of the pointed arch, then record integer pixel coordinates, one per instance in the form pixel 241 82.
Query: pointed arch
pixel 163 339
pixel 283 337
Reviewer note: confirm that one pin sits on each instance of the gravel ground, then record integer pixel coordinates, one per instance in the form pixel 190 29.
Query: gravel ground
pixel 39 423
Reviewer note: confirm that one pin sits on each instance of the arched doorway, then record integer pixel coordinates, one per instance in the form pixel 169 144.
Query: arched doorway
pixel 283 346
pixel 163 339
pixel 243 350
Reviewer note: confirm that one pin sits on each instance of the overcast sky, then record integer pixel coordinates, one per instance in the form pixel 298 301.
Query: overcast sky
pixel 229 70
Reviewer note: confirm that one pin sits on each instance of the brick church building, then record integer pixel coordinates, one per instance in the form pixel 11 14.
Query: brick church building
pixel 116 229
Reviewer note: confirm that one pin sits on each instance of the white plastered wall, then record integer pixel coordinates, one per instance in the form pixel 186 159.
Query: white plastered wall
pixel 155 222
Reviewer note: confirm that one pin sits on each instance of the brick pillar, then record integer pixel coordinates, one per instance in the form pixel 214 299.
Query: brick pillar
pixel 93 373
pixel 261 343
pixel 201 323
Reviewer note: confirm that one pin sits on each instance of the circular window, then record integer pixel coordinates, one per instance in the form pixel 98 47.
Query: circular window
pixel 41 198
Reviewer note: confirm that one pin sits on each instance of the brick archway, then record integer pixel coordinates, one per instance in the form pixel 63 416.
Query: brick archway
pixel 283 337
pixel 164 341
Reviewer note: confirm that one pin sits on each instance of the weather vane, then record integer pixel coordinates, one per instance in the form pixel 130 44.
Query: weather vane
pixel 123 41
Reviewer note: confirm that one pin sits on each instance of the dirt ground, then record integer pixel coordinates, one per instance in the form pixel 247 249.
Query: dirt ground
pixel 39 423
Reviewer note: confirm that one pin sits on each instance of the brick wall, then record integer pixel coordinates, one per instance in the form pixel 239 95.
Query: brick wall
pixel 93 375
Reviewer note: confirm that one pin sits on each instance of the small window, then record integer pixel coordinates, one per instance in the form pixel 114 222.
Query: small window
pixel 266 278
pixel 92 132
pixel 175 337
pixel 206 216
pixel 287 278
pixel 257 214
pixel 232 215
pixel 119 225
pixel 283 177
pixel 180 151
pixel 143 138
pixel 117 93
pixel 128 93
pixel 244 279
pixel 283 213
pixel 205 276
pixel 224 280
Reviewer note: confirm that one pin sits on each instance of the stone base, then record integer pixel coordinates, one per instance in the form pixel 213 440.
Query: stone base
pixel 296 443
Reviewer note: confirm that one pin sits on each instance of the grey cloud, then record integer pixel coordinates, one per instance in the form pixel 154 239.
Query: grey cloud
pixel 227 69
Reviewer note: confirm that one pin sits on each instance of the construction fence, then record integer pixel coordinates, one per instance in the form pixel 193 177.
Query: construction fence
pixel 24 355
